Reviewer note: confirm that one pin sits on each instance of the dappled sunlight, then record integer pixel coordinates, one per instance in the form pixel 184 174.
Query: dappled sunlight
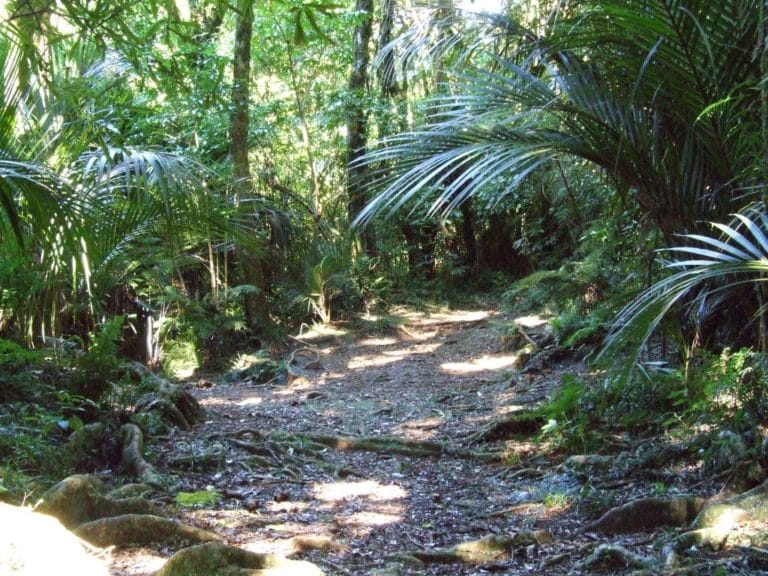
pixel 287 506
pixel 370 489
pixel 420 429
pixel 482 364
pixel 447 316
pixel 319 332
pixel 215 401
pixel 390 356
pixel 250 402
pixel 377 342
pixel 375 360
pixel 531 321
pixel 368 518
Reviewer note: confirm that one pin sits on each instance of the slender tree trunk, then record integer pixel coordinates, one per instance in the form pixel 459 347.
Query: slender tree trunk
pixel 251 268
pixel 357 122
pixel 387 74
pixel 762 289
pixel 468 234
pixel 316 201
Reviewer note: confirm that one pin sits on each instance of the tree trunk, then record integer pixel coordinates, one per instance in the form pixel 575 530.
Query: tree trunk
pixel 249 265
pixel 387 74
pixel 468 233
pixel 357 122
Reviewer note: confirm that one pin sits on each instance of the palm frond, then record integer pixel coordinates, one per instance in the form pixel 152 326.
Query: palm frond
pixel 710 265
pixel 634 108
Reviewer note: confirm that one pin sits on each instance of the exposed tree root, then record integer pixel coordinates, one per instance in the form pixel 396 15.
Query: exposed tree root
pixel 284 450
pixel 489 549
pixel 140 529
pixel 174 404
pixel 133 456
pixel 524 423
pixel 213 457
pixel 715 525
pixel 648 514
pixel 324 543
pixel 386 445
pixel 215 558
pixel 80 498
pixel 612 557
pixel 714 538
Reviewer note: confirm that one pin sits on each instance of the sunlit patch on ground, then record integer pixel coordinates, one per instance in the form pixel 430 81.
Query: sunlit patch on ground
pixel 137 561
pixel 370 489
pixel 447 316
pixel 287 506
pixel 370 360
pixel 421 429
pixel 319 331
pixel 215 401
pixel 390 356
pixel 531 321
pixel 482 364
pixel 377 342
pixel 250 401
pixel 368 518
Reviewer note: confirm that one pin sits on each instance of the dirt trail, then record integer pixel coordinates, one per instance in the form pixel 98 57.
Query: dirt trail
pixel 428 377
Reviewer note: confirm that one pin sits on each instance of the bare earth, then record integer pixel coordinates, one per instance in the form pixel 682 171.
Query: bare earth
pixel 436 376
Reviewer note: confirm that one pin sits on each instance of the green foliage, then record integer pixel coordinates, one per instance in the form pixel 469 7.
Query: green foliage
pixel 564 403
pixel 97 365
pixel 179 359
pixel 202 498
pixel 257 368
pixel 36 416
pixel 556 500
pixel 729 388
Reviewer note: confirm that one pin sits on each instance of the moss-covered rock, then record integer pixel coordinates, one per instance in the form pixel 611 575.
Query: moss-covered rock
pixel 140 529
pixel 220 560
pixel 81 498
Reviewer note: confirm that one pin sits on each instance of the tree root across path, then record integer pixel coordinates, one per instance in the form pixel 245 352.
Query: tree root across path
pixel 489 549
pixel 277 441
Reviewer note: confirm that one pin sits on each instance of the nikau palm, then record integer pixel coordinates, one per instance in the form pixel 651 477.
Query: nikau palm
pixel 79 227
pixel 667 106
pixel 708 266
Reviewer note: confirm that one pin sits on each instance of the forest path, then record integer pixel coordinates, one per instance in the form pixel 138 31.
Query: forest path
pixel 415 376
